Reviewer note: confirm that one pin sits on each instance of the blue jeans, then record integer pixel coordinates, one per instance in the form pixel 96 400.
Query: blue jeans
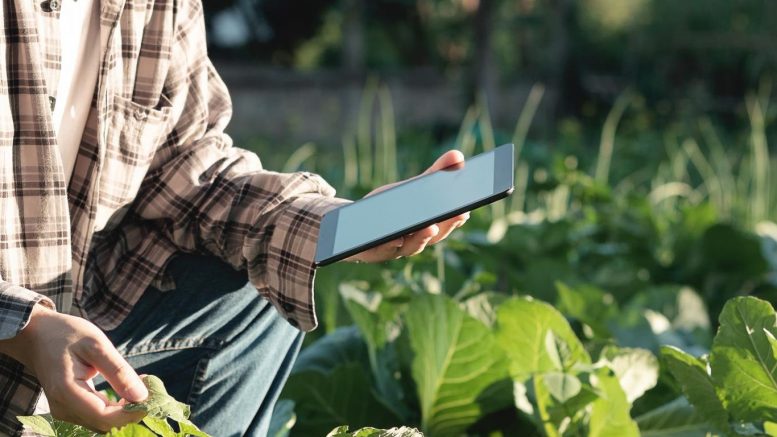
pixel 217 345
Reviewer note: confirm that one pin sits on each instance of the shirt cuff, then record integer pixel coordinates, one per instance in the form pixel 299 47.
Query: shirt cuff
pixel 16 305
pixel 289 271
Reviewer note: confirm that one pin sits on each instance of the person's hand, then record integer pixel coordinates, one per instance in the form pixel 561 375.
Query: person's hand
pixel 413 244
pixel 64 353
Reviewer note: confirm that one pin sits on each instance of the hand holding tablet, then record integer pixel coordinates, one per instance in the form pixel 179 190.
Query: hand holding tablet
pixel 415 204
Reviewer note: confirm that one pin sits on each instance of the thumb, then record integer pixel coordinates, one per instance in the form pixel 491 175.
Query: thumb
pixel 451 158
pixel 115 369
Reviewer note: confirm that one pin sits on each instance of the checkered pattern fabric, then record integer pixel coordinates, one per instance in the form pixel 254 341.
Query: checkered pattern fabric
pixel 155 175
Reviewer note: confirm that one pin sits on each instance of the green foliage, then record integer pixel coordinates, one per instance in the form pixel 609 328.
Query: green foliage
pixel 636 369
pixel 537 338
pixel 691 373
pixel 343 395
pixel 451 364
pixel 159 408
pixel 457 365
pixel 734 391
pixel 674 419
pixel 342 431
pixel 283 419
pixel 135 430
pixel 453 370
pixel 565 293
pixel 38 424
pixel 743 360
pixel 159 404
pixel 610 412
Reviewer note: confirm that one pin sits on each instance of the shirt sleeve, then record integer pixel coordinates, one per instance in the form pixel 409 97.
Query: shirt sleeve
pixel 208 196
pixel 15 308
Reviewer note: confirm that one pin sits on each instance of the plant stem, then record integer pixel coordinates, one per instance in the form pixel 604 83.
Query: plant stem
pixel 547 426
pixel 607 143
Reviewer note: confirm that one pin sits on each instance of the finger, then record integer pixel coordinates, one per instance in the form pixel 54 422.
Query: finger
pixel 415 243
pixel 384 252
pixel 101 354
pixel 99 394
pixel 88 409
pixel 451 158
pixel 386 187
pixel 448 226
pixel 85 372
pixel 446 229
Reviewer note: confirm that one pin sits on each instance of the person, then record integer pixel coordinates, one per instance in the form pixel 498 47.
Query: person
pixel 135 237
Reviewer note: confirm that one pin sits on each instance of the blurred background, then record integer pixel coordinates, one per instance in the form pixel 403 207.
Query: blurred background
pixel 297 70
pixel 646 190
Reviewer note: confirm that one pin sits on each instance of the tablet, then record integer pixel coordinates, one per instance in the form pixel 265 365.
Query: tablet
pixel 415 204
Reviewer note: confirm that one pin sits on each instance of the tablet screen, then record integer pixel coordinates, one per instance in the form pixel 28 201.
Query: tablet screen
pixel 414 202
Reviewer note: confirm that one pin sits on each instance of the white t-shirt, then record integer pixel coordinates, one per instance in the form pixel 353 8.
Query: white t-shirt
pixel 80 62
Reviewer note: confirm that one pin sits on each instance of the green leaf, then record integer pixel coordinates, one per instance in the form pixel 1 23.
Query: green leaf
pixel 678 317
pixel 631 328
pixel 744 366
pixel 728 249
pixel 768 233
pixel 343 345
pixel 131 430
pixel 569 408
pixel 521 330
pixel 691 374
pixel 376 319
pixel 283 419
pixel 544 401
pixel 55 427
pixel 562 386
pixel 770 428
pixel 610 413
pixel 675 419
pixel 536 279
pixel 636 369
pixel 343 395
pixel 772 341
pixel 589 305
pixel 521 398
pixel 110 394
pixel 159 426
pixel 189 429
pixel 37 424
pixel 159 407
pixel 342 431
pixel 460 372
pixel 330 385
pixel 160 404
pixel 482 306
pixel 555 349
pixel 378 322
pixel 681 305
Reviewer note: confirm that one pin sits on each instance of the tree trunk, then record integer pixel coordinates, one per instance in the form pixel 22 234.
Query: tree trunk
pixel 353 36
pixel 484 69
pixel 559 52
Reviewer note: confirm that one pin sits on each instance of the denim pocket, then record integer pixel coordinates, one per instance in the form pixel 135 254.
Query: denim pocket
pixel 180 363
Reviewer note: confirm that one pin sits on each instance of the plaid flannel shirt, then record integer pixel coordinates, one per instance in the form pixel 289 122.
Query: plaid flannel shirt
pixel 155 175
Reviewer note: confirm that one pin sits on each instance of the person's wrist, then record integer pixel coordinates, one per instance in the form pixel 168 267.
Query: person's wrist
pixel 21 346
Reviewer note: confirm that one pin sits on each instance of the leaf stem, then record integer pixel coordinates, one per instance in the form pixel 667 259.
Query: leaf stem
pixel 547 424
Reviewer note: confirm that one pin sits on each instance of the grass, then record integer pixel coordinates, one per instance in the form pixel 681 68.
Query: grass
pixel 737 179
